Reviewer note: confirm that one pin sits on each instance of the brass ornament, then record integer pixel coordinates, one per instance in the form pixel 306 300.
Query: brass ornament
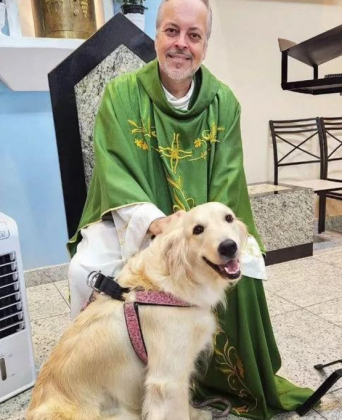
pixel 64 18
pixel 84 7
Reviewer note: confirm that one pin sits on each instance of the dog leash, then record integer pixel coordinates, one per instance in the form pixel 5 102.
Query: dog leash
pixel 109 286
pixel 216 414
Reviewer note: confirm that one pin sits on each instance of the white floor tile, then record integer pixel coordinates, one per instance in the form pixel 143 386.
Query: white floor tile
pixel 304 340
pixel 45 301
pixel 333 257
pixel 278 305
pixel 331 311
pixel 46 333
pixel 63 289
pixel 311 415
pixel 15 408
pixel 331 407
pixel 305 282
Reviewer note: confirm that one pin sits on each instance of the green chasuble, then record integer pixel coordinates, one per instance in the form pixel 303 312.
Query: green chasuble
pixel 148 152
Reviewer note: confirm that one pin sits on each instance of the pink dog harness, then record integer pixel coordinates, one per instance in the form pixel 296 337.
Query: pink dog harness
pixel 131 310
pixel 109 286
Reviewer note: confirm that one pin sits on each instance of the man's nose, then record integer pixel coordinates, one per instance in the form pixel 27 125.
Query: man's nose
pixel 181 42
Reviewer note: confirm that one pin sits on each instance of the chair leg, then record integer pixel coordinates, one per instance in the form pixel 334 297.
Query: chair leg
pixel 318 394
pixel 320 366
pixel 322 213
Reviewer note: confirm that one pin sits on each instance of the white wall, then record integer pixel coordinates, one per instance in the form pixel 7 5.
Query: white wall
pixel 244 53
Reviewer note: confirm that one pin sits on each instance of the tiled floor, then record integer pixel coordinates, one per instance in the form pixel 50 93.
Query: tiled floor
pixel 305 302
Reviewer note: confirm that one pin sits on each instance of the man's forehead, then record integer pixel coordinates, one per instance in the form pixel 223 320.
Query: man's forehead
pixel 186 9
pixel 171 22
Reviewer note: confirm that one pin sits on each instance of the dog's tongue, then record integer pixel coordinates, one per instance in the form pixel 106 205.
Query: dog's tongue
pixel 232 266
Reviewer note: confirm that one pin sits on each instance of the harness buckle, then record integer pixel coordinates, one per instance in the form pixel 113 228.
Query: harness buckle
pixel 107 285
pixel 92 280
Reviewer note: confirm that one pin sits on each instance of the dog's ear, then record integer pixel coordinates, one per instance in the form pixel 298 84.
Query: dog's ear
pixel 175 250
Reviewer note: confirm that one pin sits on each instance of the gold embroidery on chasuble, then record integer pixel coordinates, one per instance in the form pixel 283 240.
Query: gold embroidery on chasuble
pixel 231 366
pixel 144 131
pixel 208 136
pixel 175 154
pixel 179 195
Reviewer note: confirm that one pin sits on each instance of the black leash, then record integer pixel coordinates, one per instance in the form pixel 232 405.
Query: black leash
pixel 217 414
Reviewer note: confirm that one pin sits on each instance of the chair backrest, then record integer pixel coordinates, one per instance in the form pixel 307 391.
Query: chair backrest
pixel 295 140
pixel 332 141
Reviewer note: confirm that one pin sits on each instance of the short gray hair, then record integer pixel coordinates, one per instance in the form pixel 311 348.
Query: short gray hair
pixel 205 2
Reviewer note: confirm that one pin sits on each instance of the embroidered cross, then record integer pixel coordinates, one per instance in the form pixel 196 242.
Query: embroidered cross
pixel 174 153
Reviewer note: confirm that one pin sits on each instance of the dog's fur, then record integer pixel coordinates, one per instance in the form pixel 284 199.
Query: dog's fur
pixel 94 373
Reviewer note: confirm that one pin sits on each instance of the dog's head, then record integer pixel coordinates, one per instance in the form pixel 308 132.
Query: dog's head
pixel 201 251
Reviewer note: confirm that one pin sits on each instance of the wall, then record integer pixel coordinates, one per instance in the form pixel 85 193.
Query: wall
pixel 30 186
pixel 243 52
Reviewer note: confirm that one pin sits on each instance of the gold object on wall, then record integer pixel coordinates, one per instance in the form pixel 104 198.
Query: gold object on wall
pixel 64 18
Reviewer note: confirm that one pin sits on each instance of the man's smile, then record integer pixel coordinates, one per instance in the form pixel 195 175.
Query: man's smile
pixel 179 57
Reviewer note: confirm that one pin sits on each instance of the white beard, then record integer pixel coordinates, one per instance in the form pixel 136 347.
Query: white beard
pixel 177 73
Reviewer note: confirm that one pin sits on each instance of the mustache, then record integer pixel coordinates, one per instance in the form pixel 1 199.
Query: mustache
pixel 174 51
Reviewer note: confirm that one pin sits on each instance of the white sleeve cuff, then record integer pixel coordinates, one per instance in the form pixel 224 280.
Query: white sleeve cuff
pixel 134 222
pixel 251 260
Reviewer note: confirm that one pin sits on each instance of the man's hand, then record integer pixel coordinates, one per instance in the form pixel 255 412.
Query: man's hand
pixel 159 225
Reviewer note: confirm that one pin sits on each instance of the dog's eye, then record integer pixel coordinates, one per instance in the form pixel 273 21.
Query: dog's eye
pixel 229 218
pixel 198 229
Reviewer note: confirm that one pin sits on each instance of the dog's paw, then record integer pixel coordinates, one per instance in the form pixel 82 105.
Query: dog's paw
pixel 196 414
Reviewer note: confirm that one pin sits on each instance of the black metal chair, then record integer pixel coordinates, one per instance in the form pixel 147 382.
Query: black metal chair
pixel 302 138
pixel 332 142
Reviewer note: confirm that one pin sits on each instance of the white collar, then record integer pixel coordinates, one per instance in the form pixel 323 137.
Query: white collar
pixel 181 103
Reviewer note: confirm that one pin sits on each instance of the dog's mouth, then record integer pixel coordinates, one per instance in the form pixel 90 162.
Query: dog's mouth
pixel 230 269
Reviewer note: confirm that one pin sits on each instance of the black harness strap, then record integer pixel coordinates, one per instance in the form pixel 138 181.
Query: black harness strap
pixel 107 285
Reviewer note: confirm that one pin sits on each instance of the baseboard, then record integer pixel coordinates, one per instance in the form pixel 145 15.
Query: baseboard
pixel 333 223
pixel 289 254
pixel 45 275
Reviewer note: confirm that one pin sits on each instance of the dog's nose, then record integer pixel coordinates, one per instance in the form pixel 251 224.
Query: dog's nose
pixel 227 248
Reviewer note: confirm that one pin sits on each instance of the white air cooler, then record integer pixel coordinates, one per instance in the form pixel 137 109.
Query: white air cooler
pixel 17 369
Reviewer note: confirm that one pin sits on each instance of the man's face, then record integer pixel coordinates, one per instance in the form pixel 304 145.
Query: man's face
pixel 181 41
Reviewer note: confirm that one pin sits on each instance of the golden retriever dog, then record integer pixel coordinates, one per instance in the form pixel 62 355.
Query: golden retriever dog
pixel 94 373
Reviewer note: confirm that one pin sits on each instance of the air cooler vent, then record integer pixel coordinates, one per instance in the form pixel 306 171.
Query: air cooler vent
pixel 11 315
pixel 17 370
